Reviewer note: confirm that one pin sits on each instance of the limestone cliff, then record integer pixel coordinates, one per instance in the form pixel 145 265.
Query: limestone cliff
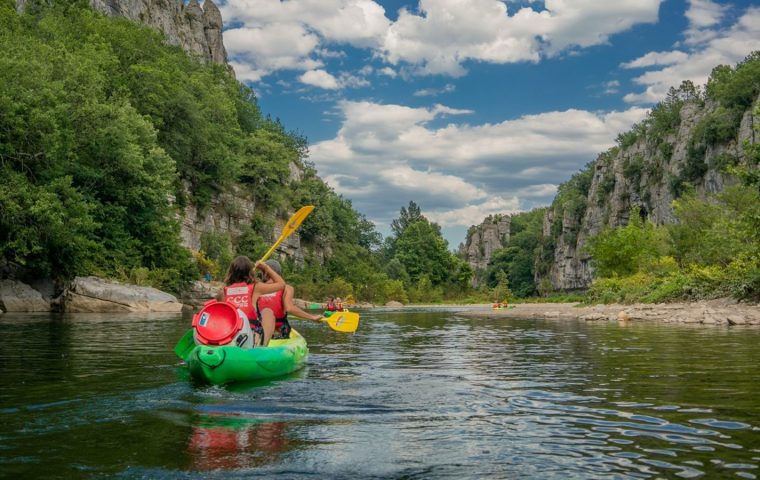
pixel 231 212
pixel 646 174
pixel 483 240
pixel 196 30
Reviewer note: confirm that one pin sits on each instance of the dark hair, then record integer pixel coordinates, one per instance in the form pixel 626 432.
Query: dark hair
pixel 241 270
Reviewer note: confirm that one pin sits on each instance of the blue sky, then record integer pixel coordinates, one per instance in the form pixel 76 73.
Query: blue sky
pixel 471 107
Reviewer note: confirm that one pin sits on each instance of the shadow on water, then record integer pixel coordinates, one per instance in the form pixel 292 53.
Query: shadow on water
pixel 412 394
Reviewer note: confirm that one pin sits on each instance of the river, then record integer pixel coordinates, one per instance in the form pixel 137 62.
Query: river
pixel 413 394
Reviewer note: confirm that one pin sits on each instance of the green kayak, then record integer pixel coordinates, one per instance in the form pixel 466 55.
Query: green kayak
pixel 219 365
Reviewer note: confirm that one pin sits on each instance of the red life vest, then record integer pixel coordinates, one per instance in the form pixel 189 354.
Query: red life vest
pixel 240 295
pixel 273 301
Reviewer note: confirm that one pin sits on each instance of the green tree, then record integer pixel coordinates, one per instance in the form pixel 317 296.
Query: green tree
pixel 626 250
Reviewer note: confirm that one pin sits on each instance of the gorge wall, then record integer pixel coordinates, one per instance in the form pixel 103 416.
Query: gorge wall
pixel 196 29
pixel 651 166
pixel 484 239
pixel 646 175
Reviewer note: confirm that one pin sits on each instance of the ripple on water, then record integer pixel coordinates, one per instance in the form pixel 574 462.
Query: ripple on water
pixel 411 395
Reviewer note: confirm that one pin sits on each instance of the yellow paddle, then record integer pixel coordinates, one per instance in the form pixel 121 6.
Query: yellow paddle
pixel 295 221
pixel 346 322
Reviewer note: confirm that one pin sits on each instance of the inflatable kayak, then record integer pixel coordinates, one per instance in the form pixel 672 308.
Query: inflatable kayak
pixel 221 364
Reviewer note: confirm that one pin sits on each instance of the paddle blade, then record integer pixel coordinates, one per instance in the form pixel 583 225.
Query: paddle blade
pixel 346 322
pixel 185 345
pixel 293 223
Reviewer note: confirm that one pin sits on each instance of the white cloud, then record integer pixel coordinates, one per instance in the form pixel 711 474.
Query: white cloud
pixel 436 38
pixel 475 213
pixel 385 155
pixel 325 80
pixel 657 58
pixel 433 92
pixel 319 78
pixel 703 14
pixel 445 33
pixel 245 73
pixel 388 72
pixel 716 46
pixel 272 47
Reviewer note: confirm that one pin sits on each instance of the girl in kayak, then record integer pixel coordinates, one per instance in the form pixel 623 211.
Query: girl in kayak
pixel 243 291
pixel 331 305
pixel 281 303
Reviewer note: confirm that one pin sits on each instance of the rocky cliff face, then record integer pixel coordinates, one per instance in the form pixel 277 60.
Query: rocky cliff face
pixel 234 210
pixel 645 176
pixel 196 30
pixel 483 240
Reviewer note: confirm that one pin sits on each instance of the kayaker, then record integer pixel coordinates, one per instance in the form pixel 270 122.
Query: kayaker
pixel 242 290
pixel 338 305
pixel 331 305
pixel 281 303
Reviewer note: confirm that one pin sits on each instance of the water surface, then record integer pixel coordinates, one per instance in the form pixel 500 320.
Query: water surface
pixel 413 394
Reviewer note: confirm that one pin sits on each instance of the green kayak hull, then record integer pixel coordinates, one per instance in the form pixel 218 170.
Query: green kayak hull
pixel 226 364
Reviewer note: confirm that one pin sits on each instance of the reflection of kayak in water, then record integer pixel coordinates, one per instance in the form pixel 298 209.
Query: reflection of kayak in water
pixel 234 442
pixel 228 363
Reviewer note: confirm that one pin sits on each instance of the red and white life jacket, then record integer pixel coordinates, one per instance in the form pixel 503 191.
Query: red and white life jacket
pixel 241 295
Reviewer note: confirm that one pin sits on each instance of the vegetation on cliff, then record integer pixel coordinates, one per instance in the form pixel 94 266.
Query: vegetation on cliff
pixel 709 246
pixel 107 133
pixel 713 248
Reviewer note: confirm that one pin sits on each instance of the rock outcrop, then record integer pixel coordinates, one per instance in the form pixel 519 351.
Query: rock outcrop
pixel 642 175
pixel 483 240
pixel 196 30
pixel 16 296
pixel 95 295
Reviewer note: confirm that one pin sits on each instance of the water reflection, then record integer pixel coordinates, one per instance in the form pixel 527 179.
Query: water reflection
pixel 234 442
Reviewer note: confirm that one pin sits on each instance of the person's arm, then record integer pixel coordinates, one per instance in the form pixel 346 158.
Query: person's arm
pixel 291 307
pixel 277 282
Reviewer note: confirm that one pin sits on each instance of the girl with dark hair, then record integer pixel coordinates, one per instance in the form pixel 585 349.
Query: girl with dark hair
pixel 242 290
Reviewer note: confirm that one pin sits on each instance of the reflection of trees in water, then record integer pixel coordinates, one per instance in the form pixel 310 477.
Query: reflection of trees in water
pixel 224 442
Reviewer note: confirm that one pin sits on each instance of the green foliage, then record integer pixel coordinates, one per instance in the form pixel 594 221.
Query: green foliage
pixel 501 292
pixel 627 250
pixel 633 168
pixel 88 176
pixel 516 258
pixel 606 186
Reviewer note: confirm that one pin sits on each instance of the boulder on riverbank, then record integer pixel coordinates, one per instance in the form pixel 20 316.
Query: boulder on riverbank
pixel 96 295
pixel 200 293
pixel 17 296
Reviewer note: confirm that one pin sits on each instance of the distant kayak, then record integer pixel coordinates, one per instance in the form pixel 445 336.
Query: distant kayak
pixel 224 364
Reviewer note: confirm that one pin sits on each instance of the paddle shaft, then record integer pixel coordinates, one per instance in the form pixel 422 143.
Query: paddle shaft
pixel 290 227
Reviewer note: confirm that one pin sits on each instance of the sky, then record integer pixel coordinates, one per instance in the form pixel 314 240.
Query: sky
pixel 471 107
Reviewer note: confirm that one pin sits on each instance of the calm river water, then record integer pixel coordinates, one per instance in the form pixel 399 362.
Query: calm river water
pixel 413 394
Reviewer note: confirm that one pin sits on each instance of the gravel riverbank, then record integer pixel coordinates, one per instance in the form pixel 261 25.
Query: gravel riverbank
pixel 709 312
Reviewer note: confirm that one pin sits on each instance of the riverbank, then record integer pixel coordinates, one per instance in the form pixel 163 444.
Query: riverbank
pixel 724 311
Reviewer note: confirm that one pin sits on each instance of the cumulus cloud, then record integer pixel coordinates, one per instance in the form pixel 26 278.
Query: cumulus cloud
pixel 319 78
pixel 442 34
pixel 708 44
pixel 433 92
pixel 437 37
pixel 385 155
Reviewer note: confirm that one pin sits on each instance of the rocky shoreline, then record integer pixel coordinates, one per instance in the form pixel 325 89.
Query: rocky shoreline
pixel 724 311
pixel 96 295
